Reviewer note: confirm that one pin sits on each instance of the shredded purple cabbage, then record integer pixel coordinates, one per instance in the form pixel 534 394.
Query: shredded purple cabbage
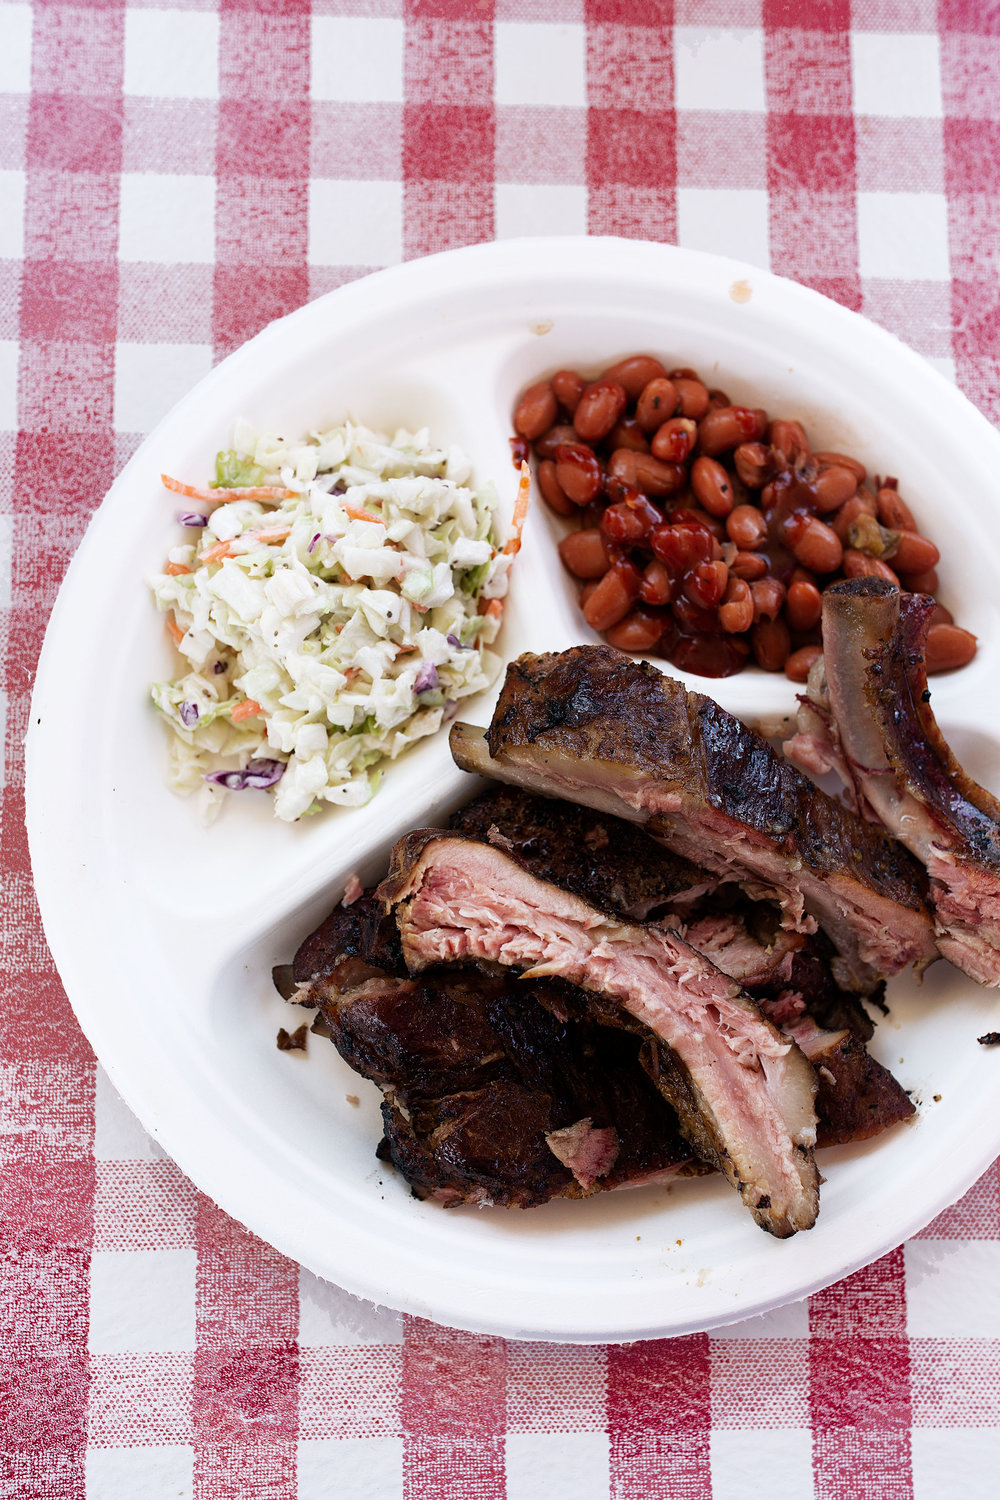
pixel 450 710
pixel 453 640
pixel 321 536
pixel 255 776
pixel 427 678
pixel 220 666
pixel 188 714
pixel 315 539
pixel 191 518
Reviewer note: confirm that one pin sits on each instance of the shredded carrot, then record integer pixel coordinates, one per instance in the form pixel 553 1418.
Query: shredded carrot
pixel 216 553
pixel 248 709
pixel 357 514
pixel 265 534
pixel 513 543
pixel 174 569
pixel 494 609
pixel 222 497
pixel 174 629
pixel 351 672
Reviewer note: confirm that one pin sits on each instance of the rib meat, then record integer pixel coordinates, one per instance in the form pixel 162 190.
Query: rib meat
pixel 743 1093
pixel 903 769
pixel 598 727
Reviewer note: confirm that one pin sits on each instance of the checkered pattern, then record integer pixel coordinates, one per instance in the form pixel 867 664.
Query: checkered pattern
pixel 171 178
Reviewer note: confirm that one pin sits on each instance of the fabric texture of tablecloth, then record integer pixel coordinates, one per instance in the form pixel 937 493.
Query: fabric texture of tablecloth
pixel 173 177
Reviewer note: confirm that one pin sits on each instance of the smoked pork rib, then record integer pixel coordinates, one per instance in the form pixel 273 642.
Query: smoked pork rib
pixel 595 726
pixel 743 1093
pixel 904 771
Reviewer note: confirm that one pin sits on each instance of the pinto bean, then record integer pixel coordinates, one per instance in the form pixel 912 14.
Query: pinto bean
pixel 920 583
pixel 706 584
pixel 914 554
pixel 656 586
pixel 801 662
pixel 639 631
pixel 635 373
pixel 692 395
pixel 893 510
pixel 803 606
pixel 736 609
pixel 860 504
pixel 746 527
pixel 834 486
pixel 585 552
pixel 675 439
pixel 536 411
pixel 789 438
pixel 748 565
pixel 712 487
pixel 546 446
pixel 861 565
pixel 649 474
pixel 813 543
pixel 613 597
pixel 657 402
pixel 948 647
pixel 768 597
pixel 598 409
pixel 628 434
pixel 725 427
pixel 555 496
pixel 842 461
pixel 771 644
pixel 569 387
pixel 578 472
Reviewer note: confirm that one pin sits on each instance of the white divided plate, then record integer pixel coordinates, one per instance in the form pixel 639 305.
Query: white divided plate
pixel 165 932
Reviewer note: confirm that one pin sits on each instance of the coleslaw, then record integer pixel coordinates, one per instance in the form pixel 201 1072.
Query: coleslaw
pixel 338 599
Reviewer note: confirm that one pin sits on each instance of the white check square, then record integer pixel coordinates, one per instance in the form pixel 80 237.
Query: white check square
pixel 953 1461
pixel 357 59
pixel 8 399
pixel 558 1465
pixel 896 74
pixel 172 54
pixel 355 223
pixel 350 1467
pixel 789 1322
pixel 12 194
pixel 784 1454
pixel 118 1135
pixel 725 221
pixel 540 63
pixel 951 1289
pixel 329 1317
pixel 15 54
pixel 718 69
pixel 163 1472
pixel 151 378
pixel 539 208
pixel 903 236
pixel 167 219
pixel 142 1300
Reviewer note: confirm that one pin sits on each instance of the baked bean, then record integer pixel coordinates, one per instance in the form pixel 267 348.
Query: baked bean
pixel 639 631
pixel 684 374
pixel 635 373
pixel 746 527
pixel 692 395
pixel 768 596
pixel 649 474
pixel 706 584
pixel 940 615
pixel 569 387
pixel 893 510
pixel 711 485
pixel 628 434
pixel 724 427
pixel 736 609
pixel 803 606
pixel 748 565
pixel 717 399
pixel 678 514
pixel 801 662
pixel 536 411
pixel 681 547
pixel 861 565
pixel 598 409
pixel 921 583
pixel 613 596
pixel 771 644
pixel 675 439
pixel 789 438
pixel 657 402
pixel 587 589
pixel 860 504
pixel 948 646
pixel 630 521
pixel 914 554
pixel 578 472
pixel 585 553
pixel 554 494
pixel 834 486
pixel 814 544
pixel 756 463
pixel 842 461
pixel 546 446
pixel 657 585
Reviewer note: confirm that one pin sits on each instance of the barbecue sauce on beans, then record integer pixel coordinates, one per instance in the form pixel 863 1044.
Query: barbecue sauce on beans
pixel 706 532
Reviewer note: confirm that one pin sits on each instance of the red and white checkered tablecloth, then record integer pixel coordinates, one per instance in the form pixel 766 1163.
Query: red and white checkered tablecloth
pixel 173 177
